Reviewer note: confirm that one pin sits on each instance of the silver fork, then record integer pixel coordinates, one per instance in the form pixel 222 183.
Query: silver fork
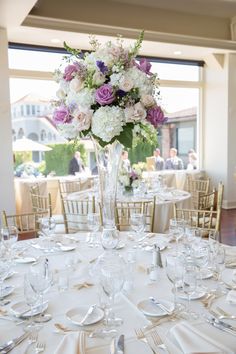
pixel 31 340
pixel 40 347
pixel 141 336
pixel 158 341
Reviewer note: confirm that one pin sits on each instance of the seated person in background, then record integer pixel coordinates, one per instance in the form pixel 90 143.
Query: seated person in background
pixel 159 161
pixel 76 164
pixel 174 162
pixel 125 162
pixel 192 160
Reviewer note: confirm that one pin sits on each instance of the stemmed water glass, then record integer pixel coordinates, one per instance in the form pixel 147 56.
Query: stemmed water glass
pixel 137 222
pixel 94 225
pixel 200 254
pixel 111 279
pixel 220 266
pixel 40 278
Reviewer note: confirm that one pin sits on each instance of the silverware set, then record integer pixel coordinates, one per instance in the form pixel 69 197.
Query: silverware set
pixel 152 340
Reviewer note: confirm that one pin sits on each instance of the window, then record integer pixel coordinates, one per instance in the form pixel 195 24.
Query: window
pixel 20 133
pixel 43 135
pixel 33 110
pixel 27 109
pixel 22 110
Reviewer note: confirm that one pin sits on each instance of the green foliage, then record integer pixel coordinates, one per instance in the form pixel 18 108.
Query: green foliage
pixel 59 157
pixel 142 148
pixel 21 157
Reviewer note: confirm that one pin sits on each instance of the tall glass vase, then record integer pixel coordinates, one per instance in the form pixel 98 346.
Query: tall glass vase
pixel 108 161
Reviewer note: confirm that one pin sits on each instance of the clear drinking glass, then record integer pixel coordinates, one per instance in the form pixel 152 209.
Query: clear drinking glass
pixel 190 285
pixel 220 266
pixel 174 272
pixel 40 278
pixel 9 236
pixel 4 270
pixel 48 226
pixel 137 222
pixel 176 229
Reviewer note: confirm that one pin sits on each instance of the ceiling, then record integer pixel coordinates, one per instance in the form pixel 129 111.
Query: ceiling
pixel 50 22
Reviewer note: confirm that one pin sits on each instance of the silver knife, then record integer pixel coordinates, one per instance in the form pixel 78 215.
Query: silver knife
pixel 216 324
pixel 113 346
pixel 8 346
pixel 120 344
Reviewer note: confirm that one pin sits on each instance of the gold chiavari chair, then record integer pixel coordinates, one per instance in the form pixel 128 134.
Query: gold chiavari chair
pixel 204 219
pixel 28 224
pixel 197 187
pixel 66 187
pixel 41 203
pixel 124 210
pixel 220 194
pixel 207 201
pixel 75 213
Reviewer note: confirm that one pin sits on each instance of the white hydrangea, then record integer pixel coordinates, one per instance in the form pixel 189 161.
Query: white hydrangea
pixel 115 79
pixel 141 80
pixel 85 98
pixel 124 180
pixel 107 122
pixel 69 131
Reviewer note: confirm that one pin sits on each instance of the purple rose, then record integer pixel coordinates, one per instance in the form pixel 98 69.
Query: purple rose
pixel 70 71
pixel 155 116
pixel 145 66
pixel 62 115
pixel 104 94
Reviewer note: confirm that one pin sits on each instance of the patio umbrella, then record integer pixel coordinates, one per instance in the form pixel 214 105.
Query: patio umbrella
pixel 25 144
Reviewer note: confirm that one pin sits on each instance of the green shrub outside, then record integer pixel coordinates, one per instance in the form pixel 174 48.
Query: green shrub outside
pixel 57 160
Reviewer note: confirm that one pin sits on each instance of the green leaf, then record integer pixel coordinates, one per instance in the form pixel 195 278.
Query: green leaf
pixel 126 136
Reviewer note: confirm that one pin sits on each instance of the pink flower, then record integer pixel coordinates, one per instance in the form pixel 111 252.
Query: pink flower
pixel 62 115
pixel 104 95
pixel 83 119
pixel 155 116
pixel 70 72
pixel 145 66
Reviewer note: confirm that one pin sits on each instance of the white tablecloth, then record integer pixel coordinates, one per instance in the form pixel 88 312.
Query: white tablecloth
pixel 125 306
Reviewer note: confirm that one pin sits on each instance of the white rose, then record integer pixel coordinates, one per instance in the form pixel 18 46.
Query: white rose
pixel 83 119
pixel 126 84
pixel 148 101
pixel 60 94
pixel 135 113
pixel 76 84
pixel 98 78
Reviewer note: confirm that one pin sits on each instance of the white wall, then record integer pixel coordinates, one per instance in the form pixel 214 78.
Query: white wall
pixel 219 125
pixel 7 197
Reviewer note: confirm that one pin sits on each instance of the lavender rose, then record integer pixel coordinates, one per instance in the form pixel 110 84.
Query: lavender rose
pixel 104 95
pixel 62 115
pixel 145 66
pixel 70 71
pixel 156 116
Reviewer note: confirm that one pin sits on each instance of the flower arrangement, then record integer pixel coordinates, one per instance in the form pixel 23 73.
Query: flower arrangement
pixel 108 94
pixel 129 179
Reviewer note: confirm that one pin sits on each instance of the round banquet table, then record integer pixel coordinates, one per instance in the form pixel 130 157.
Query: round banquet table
pixel 164 210
pixel 140 288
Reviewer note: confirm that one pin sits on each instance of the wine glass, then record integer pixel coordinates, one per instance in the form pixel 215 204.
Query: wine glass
pixel 214 238
pixel 9 238
pixel 201 259
pixel 40 278
pixel 137 222
pixel 220 266
pixel 94 225
pixel 31 299
pixel 110 238
pixel 174 272
pixel 189 286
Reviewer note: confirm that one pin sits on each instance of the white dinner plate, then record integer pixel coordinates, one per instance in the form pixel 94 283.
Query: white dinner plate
pixel 198 294
pixel 25 260
pixel 76 315
pixel 66 248
pixel 207 274
pixel 150 309
pixel 7 290
pixel 21 309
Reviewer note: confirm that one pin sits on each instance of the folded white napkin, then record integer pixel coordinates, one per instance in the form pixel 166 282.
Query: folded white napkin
pixel 73 343
pixel 192 341
pixel 231 296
